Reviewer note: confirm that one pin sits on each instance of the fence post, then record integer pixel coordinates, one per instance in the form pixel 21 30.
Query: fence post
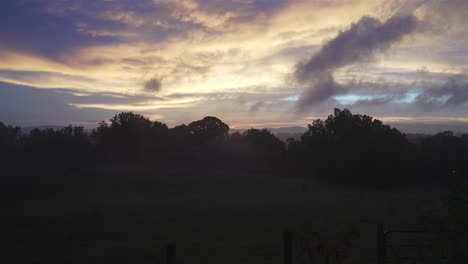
pixel 171 254
pixel 287 246
pixel 381 244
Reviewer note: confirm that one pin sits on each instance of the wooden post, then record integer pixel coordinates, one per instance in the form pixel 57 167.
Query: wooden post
pixel 171 254
pixel 381 244
pixel 287 246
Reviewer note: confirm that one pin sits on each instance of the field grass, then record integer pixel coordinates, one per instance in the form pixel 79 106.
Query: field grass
pixel 213 216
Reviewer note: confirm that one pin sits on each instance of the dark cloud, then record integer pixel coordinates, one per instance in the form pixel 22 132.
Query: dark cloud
pixel 373 102
pixel 452 93
pixel 28 26
pixel 324 87
pixel 256 107
pixel 357 44
pixel 52 28
pixel 424 102
pixel 153 85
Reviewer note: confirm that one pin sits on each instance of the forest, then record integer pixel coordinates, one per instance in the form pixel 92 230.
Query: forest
pixel 344 148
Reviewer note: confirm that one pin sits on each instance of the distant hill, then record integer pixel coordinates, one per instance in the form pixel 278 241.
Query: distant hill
pixel 284 136
pixel 416 138
pixel 290 130
pixel 28 129
pixel 431 129
pixel 282 133
pixel 275 130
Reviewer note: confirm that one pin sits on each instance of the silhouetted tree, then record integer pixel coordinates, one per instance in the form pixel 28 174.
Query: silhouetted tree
pixel 66 147
pixel 258 148
pixel 9 146
pixel 48 159
pixel 345 147
pixel 208 129
pixel 130 136
pixel 9 135
pixel 354 149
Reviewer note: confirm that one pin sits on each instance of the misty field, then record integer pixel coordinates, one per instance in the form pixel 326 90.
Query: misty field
pixel 213 216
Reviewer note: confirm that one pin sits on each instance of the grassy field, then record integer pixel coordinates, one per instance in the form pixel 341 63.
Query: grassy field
pixel 213 216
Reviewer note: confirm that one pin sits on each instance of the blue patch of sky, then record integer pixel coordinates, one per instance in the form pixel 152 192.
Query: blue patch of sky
pixel 407 98
pixel 442 99
pixel 291 98
pixel 348 99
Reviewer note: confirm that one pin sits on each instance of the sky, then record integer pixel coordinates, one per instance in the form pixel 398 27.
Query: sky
pixel 251 63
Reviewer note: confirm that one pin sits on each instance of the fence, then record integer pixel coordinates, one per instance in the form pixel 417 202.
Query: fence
pixel 394 246
pixel 171 254
pixel 302 249
pixel 413 246
pixel 166 254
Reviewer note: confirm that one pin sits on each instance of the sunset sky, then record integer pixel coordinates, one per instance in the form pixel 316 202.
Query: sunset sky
pixel 252 63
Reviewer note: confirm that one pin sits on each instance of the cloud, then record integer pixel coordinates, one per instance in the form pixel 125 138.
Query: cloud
pixel 357 44
pixel 36 77
pixel 230 57
pixel 324 87
pixel 27 26
pixel 153 85
pixel 256 107
pixel 446 15
pixel 29 106
pixel 373 102
pixel 450 94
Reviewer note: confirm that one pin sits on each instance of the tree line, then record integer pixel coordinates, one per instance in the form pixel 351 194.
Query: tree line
pixel 343 148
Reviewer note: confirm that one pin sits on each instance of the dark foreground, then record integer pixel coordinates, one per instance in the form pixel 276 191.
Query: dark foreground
pixel 213 216
pixel 113 195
